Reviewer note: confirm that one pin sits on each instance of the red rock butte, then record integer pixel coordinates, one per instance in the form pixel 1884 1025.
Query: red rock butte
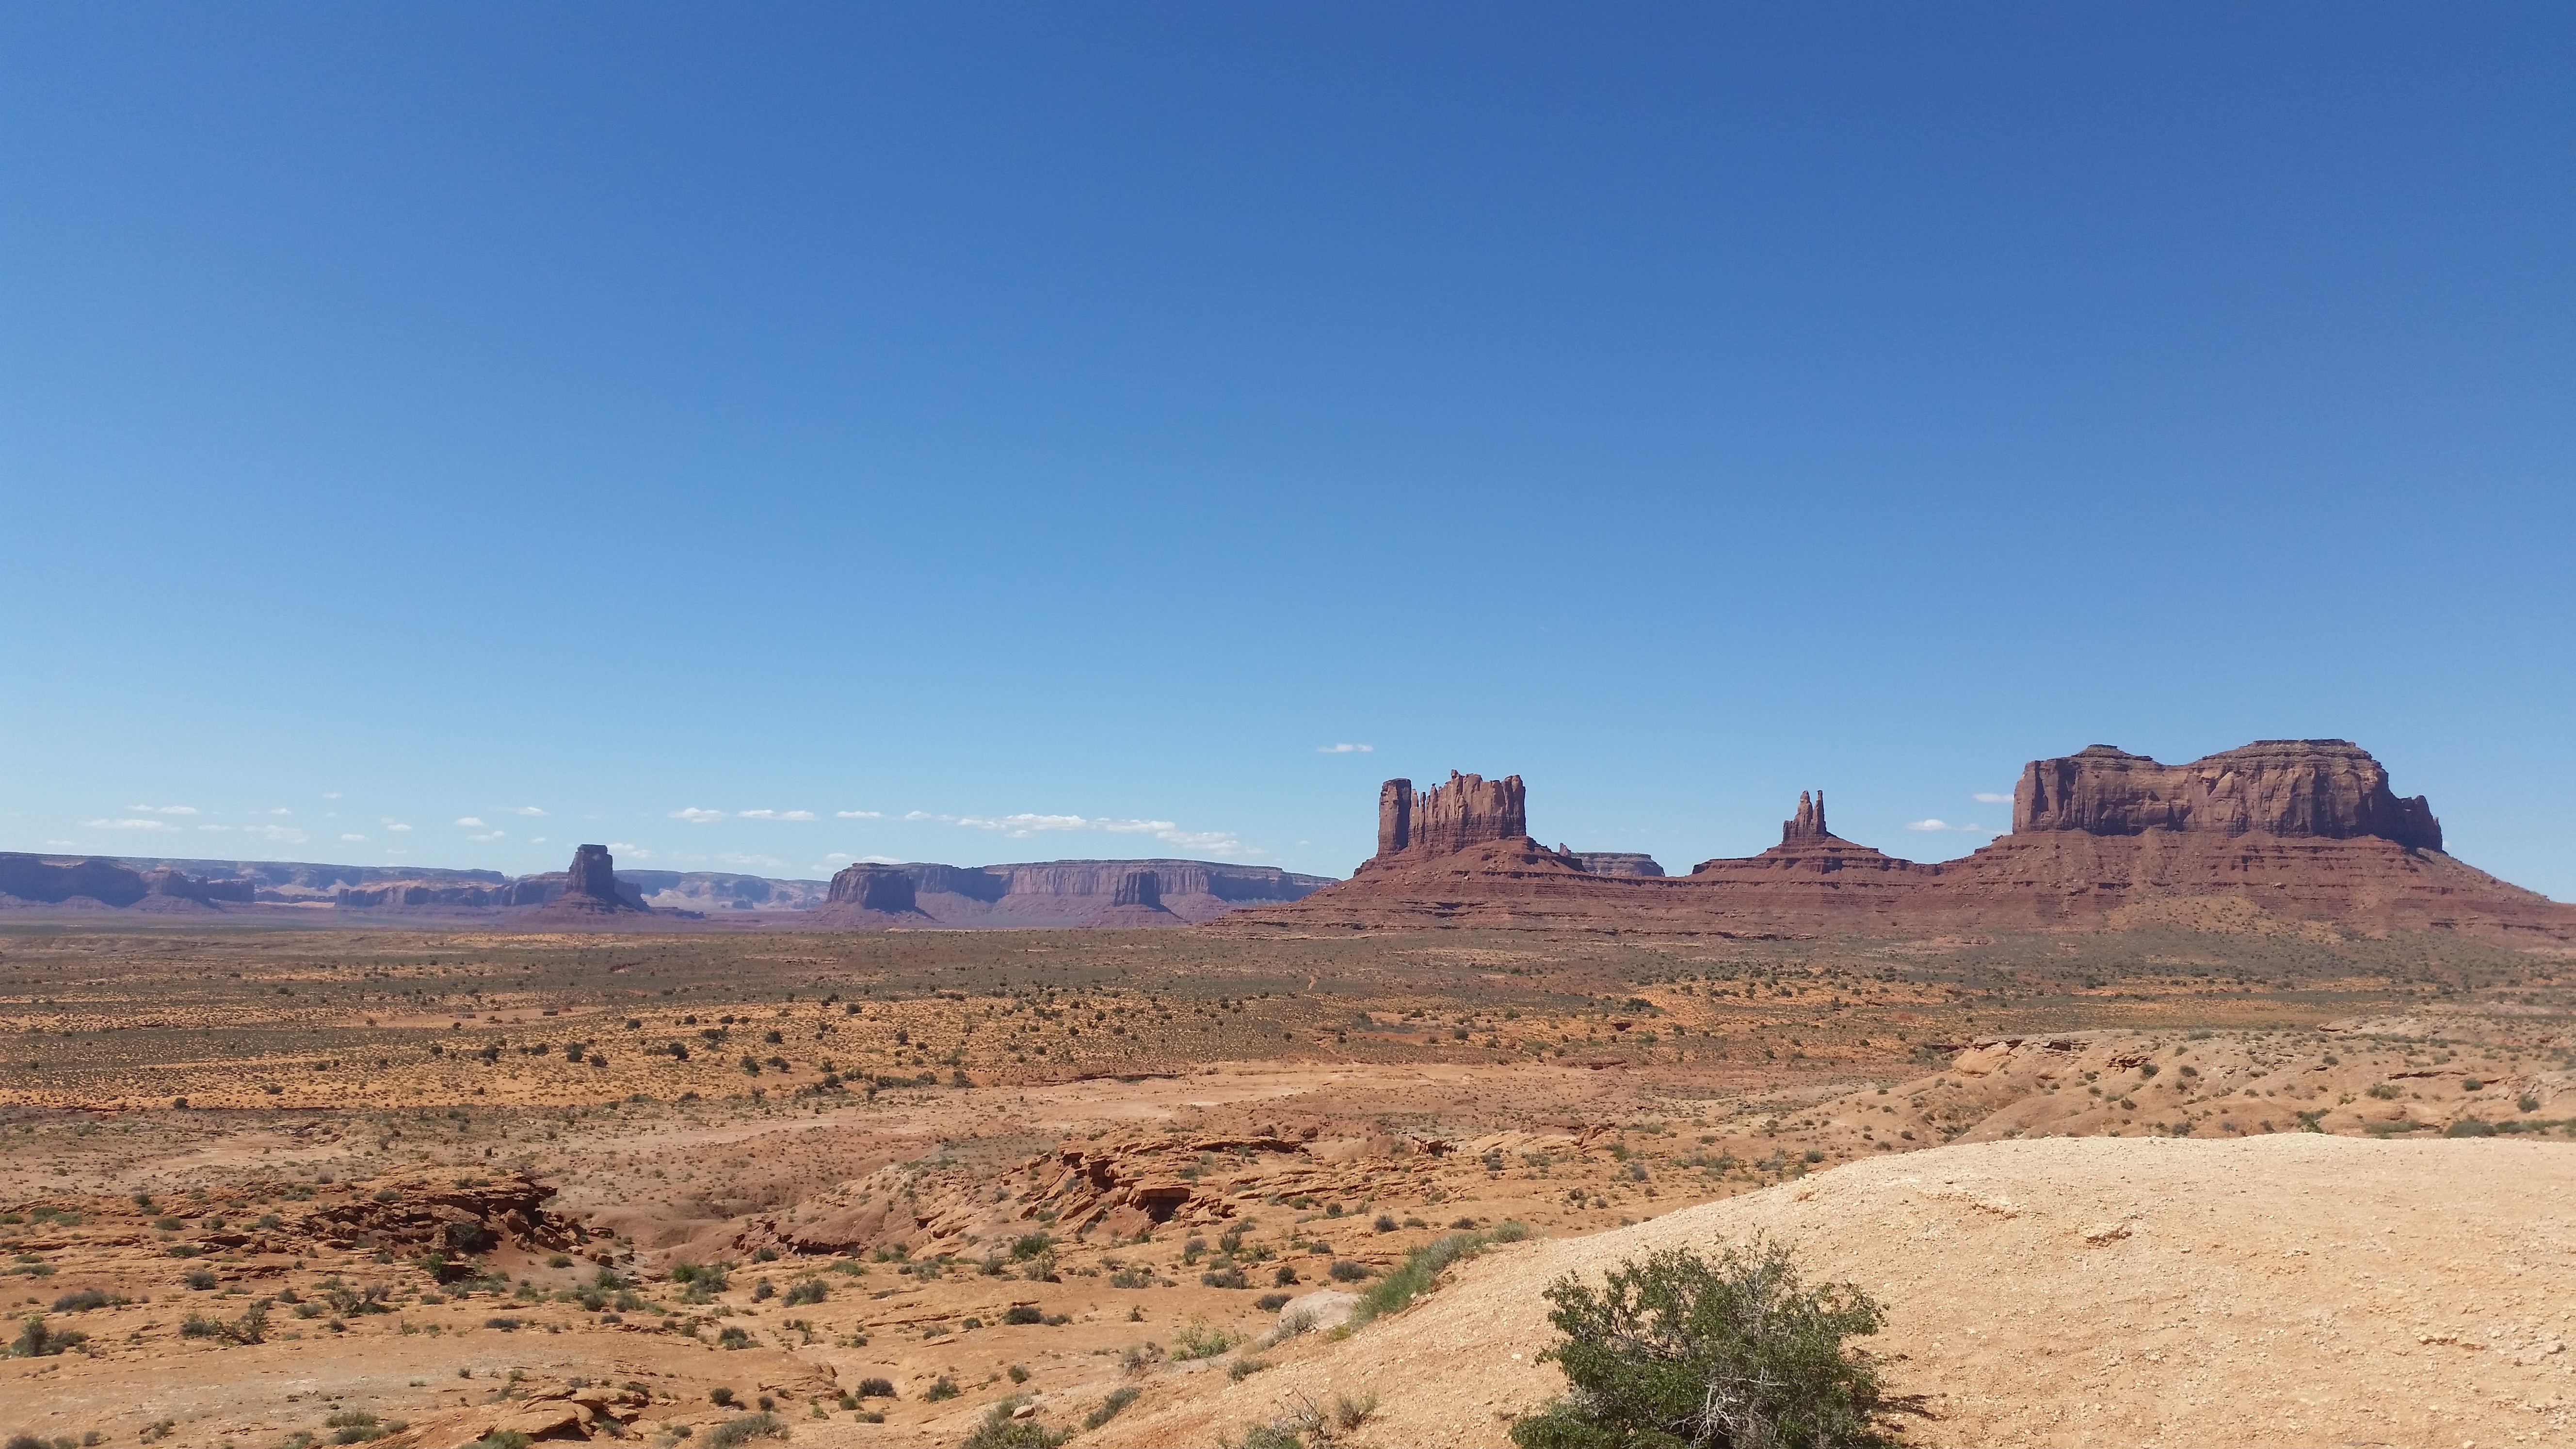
pixel 2280 834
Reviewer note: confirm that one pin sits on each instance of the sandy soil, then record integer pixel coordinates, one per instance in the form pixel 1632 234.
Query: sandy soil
pixel 2292 1290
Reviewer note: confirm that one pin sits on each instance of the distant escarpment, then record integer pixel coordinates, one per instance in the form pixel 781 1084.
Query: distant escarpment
pixel 2277 835
pixel 92 883
pixel 1054 893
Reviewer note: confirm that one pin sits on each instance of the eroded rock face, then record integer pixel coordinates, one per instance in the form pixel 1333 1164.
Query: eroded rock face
pixel 1139 888
pixel 1617 862
pixel 2292 788
pixel 1466 811
pixel 869 886
pixel 593 874
pixel 1808 823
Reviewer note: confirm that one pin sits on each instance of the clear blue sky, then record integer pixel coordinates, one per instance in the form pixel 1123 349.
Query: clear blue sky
pixel 414 414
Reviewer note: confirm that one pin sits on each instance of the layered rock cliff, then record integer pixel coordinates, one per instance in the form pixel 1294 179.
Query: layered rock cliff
pixel 1467 810
pixel 2331 789
pixel 591 888
pixel 2281 834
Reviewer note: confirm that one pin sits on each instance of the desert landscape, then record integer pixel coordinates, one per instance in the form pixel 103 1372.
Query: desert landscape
pixel 2188 1165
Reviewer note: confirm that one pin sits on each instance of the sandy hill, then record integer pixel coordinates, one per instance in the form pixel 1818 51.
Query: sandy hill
pixel 2286 1290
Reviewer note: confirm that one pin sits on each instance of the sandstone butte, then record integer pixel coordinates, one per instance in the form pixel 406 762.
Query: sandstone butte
pixel 2293 835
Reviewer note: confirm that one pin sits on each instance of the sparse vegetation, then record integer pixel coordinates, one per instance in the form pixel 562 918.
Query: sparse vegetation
pixel 1680 1351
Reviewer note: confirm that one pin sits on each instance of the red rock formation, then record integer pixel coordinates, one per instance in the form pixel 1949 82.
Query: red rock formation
pixel 591 888
pixel 870 895
pixel 1138 901
pixel 1615 862
pixel 2279 834
pixel 1468 810
pixel 2288 788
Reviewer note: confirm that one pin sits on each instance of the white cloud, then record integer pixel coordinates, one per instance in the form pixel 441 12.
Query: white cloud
pixel 919 815
pixel 540 840
pixel 1971 828
pixel 396 825
pixel 331 795
pixel 1989 797
pixel 281 810
pixel 843 857
pixel 495 835
pixel 860 814
pixel 1344 749
pixel 284 834
pixel 129 824
pixel 523 809
pixel 471 822
pixel 62 842
pixel 163 809
pixel 214 827
pixel 1020 827
pixel 620 847
pixel 696 816
pixel 769 861
pixel 352 837
pixel 774 814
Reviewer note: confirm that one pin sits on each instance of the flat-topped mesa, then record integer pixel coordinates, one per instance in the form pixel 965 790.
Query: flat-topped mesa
pixel 2294 788
pixel 869 886
pixel 1467 811
pixel 1808 824
pixel 1139 888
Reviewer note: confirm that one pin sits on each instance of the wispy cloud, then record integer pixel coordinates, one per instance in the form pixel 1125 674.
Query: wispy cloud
pixel 163 809
pixel 281 810
pixel 769 862
pixel 637 852
pixel 470 822
pixel 396 825
pixel 1021 826
pixel 282 834
pixel 130 823
pixel 696 816
pixel 346 836
pixel 523 810
pixel 920 815
pixel 1989 797
pixel 774 814
pixel 330 794
pixel 1344 749
pixel 1971 828
pixel 860 814
pixel 843 857
pixel 494 835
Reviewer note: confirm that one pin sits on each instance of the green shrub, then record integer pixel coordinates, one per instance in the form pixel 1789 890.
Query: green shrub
pixel 81 1301
pixel 998 1430
pixel 1346 1271
pixel 2471 1127
pixel 876 1388
pixel 1679 1351
pixel 36 1340
pixel 1119 1398
pixel 942 1388
pixel 1019 1313
pixel 812 1290
pixel 1420 1269
pixel 763 1425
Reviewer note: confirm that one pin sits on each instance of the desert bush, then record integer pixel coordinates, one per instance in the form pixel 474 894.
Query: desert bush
pixel 2471 1127
pixel 1228 1277
pixel 1197 1340
pixel 876 1388
pixel 812 1290
pixel 1267 1302
pixel 1244 1368
pixel 1346 1271
pixel 1138 1276
pixel 1419 1270
pixel 998 1430
pixel 81 1301
pixel 942 1388
pixel 1119 1398
pixel 501 1439
pixel 1020 1313
pixel 1679 1351
pixel 36 1339
pixel 763 1425
pixel 2385 1091
pixel 730 1337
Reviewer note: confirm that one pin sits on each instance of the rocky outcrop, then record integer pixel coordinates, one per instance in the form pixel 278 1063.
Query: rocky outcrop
pixel 591 888
pixel 1138 901
pixel 869 895
pixel 2329 789
pixel 1466 811
pixel 2298 835
pixel 34 880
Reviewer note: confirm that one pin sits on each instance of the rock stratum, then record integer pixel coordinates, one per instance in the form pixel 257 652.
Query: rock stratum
pixel 2280 835
pixel 594 893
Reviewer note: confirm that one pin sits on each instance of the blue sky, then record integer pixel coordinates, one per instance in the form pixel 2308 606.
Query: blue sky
pixel 981 433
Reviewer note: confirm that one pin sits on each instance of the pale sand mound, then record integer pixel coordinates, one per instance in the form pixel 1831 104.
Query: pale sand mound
pixel 2287 1290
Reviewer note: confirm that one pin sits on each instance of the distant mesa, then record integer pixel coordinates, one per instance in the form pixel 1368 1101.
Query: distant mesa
pixel 1616 862
pixel 91 883
pixel 2279 835
pixel 870 895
